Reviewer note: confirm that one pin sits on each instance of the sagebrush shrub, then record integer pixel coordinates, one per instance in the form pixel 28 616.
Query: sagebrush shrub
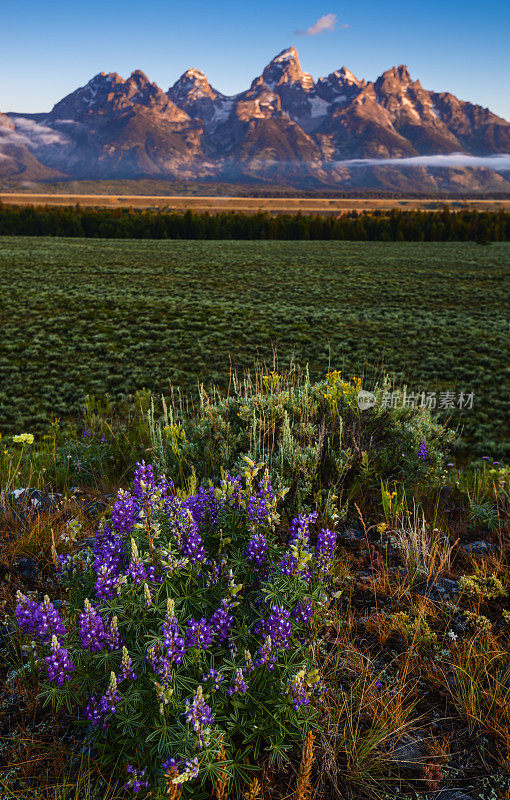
pixel 188 632
pixel 312 436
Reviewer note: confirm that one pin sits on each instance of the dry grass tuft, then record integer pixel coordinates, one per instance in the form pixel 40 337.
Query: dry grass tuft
pixel 303 785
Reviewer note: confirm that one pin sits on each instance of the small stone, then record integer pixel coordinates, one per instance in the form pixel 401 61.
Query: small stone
pixel 440 590
pixel 480 548
pixel 409 752
pixel 449 794
pixel 33 500
pixel 27 568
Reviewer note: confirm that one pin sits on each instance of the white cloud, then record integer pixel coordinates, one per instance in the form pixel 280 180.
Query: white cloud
pixel 326 23
pixel 31 133
pixel 499 163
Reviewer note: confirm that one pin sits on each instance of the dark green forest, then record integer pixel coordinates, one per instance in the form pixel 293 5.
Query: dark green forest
pixel 392 226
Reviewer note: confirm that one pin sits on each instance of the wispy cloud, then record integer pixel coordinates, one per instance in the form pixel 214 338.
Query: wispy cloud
pixel 329 22
pixel 31 133
pixel 499 163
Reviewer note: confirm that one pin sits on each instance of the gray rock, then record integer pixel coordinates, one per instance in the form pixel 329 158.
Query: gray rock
pixel 34 500
pixel 355 537
pixel 441 589
pixel 480 548
pixel 450 794
pixel 409 751
pixel 27 568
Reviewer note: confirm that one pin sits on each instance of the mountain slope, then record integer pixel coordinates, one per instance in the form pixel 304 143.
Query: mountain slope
pixel 285 128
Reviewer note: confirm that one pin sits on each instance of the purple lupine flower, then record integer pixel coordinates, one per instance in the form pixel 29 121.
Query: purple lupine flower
pixel 198 714
pixel 86 433
pixel 300 529
pixel 137 780
pixel 192 544
pixel 288 564
pixel 239 686
pixel 257 549
pixel 136 567
pixel 143 481
pixel 422 450
pixel 160 663
pixel 47 620
pixel 165 486
pixel 295 561
pixel 103 440
pixel 127 671
pixel 266 656
pixel 177 517
pixel 151 575
pixel 91 628
pixel 297 690
pixel 277 630
pixel 98 710
pixel 303 612
pixel 109 550
pixel 64 564
pixel 325 549
pixel 172 639
pixel 278 627
pixel 59 663
pixel 212 578
pixel 222 620
pixel 249 666
pixel 232 490
pixel 258 504
pixel 204 507
pixel 172 763
pixel 113 639
pixel 25 611
pixel 214 676
pixel 197 634
pixel 108 583
pixel 125 512
pixel 181 771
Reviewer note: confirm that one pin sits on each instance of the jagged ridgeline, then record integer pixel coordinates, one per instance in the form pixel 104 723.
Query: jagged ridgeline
pixel 286 127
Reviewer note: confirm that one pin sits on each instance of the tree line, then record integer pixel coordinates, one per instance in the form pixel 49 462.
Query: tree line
pixel 392 226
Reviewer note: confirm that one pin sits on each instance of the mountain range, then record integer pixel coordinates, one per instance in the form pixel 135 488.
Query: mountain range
pixel 287 128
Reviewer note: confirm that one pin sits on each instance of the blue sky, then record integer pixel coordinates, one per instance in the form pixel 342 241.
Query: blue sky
pixel 48 50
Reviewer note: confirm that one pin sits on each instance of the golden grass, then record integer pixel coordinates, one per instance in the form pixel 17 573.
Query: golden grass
pixel 305 205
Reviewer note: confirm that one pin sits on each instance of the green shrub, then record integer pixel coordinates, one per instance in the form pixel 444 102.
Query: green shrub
pixel 313 438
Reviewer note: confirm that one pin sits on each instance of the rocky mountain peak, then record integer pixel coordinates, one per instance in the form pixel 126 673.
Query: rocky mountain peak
pixel 286 69
pixel 345 77
pixel 394 79
pixel 192 85
pixel 339 86
pixel 109 95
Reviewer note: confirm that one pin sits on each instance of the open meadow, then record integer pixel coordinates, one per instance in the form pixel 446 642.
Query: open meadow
pixel 85 317
pixel 265 591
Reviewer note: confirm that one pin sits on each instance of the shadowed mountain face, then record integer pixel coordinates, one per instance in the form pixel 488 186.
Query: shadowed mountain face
pixel 285 128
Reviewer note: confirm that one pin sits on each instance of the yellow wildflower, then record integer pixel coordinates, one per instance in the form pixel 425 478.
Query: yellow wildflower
pixel 23 438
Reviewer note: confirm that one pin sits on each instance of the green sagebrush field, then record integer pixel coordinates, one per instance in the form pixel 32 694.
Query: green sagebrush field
pixel 85 317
